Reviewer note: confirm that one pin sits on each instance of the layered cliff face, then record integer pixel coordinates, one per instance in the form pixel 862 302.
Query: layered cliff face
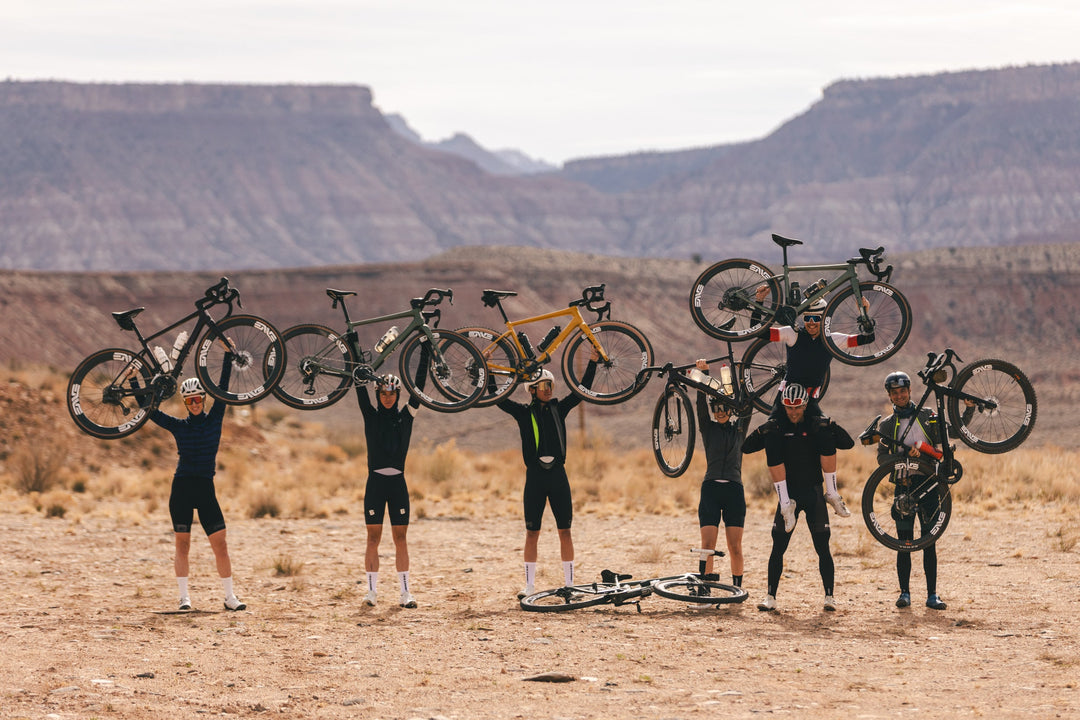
pixel 139 177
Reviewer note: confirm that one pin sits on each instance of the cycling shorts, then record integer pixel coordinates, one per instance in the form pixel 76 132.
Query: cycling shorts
pixel 382 492
pixel 543 487
pixel 190 493
pixel 722 501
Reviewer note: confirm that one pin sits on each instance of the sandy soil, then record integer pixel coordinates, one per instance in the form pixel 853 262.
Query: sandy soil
pixel 83 634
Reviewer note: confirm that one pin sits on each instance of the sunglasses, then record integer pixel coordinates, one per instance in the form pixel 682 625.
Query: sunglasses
pixel 811 318
pixel 193 401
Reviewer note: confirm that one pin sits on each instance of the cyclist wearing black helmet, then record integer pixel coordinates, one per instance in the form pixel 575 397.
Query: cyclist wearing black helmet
pixel 388 431
pixel 197 439
pixel 921 426
pixel 722 494
pixel 796 453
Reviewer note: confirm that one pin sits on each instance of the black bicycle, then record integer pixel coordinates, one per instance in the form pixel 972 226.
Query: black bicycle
pixel 111 392
pixel 990 405
pixel 740 386
pixel 739 299
pixel 617 589
pixel 324 363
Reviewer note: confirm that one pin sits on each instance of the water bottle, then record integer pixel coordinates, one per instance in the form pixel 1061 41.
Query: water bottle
pixel 928 449
pixel 700 377
pixel 552 334
pixel 526 345
pixel 388 337
pixel 796 294
pixel 816 287
pixel 179 344
pixel 725 380
pixel 162 358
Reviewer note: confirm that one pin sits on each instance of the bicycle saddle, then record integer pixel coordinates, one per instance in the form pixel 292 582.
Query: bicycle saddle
pixel 126 319
pixel 338 294
pixel 491 297
pixel 785 242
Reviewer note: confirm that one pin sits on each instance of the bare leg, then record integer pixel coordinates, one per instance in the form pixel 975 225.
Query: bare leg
pixel 708 542
pixel 180 559
pixel 401 547
pixel 566 545
pixel 734 547
pixel 221 554
pixel 371 555
pixel 532 538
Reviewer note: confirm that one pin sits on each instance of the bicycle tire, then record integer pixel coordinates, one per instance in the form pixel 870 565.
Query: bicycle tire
pixel 890 311
pixel 718 310
pixel 674 431
pixel 258 362
pixel 764 366
pixel 460 380
pixel 577 597
pixel 503 354
pixel 93 404
pixel 881 495
pixel 686 589
pixel 628 352
pixel 307 349
pixel 1009 424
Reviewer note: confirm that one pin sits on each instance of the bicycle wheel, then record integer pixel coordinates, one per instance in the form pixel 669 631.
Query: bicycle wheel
pixel 889 310
pixel 258 360
pixel 628 351
pixel 892 507
pixel 502 355
pixel 318 368
pixel 764 366
pixel 100 401
pixel 673 431
pixel 692 589
pixel 718 299
pixel 458 374
pixel 1004 427
pixel 576 597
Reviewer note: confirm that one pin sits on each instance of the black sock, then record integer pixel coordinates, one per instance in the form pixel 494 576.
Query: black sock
pixel 736 580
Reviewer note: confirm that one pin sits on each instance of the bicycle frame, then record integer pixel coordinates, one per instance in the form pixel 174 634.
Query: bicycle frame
pixel 740 400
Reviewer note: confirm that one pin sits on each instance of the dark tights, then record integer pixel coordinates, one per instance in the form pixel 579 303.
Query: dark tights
pixel 929 564
pixel 780 540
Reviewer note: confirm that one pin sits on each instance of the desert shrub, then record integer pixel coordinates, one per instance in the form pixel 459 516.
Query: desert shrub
pixel 287 566
pixel 56 510
pixel 36 466
pixel 263 505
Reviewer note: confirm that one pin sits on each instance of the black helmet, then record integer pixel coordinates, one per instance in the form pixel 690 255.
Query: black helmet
pixel 897 379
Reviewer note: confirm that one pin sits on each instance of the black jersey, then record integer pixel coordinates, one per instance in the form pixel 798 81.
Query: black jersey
pixel 722 443
pixel 388 431
pixel 799 447
pixel 197 436
pixel 543 425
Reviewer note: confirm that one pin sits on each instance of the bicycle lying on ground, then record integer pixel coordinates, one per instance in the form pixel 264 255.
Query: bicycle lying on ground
pixel 618 590
pixel 726 302
pixel 622 348
pixel 112 391
pixel 739 386
pixel 990 405
pixel 324 364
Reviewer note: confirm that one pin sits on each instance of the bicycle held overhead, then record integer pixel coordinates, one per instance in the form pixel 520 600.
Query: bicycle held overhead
pixel 623 350
pixel 112 392
pixel 324 363
pixel 739 299
pixel 990 405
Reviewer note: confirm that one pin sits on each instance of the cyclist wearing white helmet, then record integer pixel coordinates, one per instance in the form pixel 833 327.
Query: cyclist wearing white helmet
pixel 197 439
pixel 797 451
pixel 915 427
pixel 542 426
pixel 388 431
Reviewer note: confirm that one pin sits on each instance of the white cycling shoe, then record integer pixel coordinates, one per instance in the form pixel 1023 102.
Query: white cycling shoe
pixel 787 511
pixel 837 504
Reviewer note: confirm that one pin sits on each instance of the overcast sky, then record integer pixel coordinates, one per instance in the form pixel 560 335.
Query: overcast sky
pixel 556 79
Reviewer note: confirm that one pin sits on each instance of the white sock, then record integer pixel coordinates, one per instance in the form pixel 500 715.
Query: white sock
pixel 182 583
pixel 781 491
pixel 372 581
pixel 830 484
pixel 530 574
pixel 227 584
pixel 403 581
pixel 568 572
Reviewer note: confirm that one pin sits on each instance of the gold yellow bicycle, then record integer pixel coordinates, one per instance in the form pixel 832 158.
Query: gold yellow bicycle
pixel 623 350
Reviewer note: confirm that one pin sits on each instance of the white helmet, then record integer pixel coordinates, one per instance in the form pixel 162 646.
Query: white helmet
pixel 795 395
pixel 817 307
pixel 390 383
pixel 191 388
pixel 545 374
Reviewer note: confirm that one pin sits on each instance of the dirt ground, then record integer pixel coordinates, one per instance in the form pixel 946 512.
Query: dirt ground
pixel 84 635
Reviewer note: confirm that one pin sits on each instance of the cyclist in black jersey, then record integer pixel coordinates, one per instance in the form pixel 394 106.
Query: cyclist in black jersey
pixel 722 494
pixel 388 431
pixel 542 426
pixel 198 437
pixel 924 428
pixel 797 449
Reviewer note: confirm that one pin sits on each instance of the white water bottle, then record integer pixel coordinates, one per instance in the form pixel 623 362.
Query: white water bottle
pixel 162 358
pixel 700 377
pixel 386 339
pixel 179 344
pixel 725 380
